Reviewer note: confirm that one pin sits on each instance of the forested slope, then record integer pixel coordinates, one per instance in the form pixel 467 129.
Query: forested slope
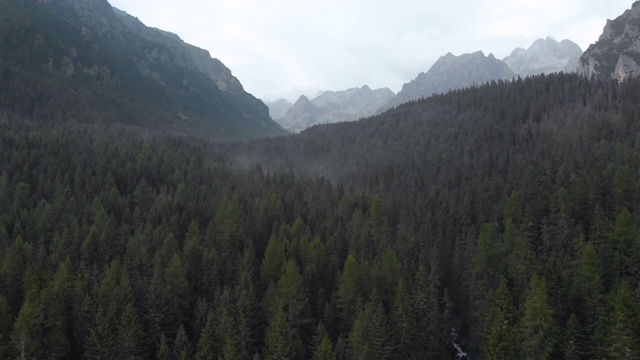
pixel 506 212
pixel 510 179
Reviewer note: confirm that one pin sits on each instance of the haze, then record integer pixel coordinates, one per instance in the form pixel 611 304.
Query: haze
pixel 281 49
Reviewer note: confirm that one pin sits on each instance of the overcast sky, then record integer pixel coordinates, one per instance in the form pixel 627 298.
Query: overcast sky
pixel 284 48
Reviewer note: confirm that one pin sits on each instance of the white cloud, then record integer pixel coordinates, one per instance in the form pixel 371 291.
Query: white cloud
pixel 287 47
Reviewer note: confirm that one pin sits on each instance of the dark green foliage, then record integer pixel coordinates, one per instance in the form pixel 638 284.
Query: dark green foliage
pixel 437 215
pixel 537 326
pixel 499 331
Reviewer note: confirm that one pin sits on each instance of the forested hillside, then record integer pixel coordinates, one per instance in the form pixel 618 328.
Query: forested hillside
pixel 502 218
pixel 79 60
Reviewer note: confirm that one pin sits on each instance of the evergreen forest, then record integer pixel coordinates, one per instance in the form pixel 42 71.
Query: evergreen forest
pixel 501 221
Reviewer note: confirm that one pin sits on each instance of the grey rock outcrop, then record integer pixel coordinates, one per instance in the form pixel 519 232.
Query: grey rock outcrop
pixel 616 54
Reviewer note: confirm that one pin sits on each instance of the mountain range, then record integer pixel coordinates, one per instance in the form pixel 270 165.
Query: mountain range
pixel 449 72
pixel 329 107
pixel 83 60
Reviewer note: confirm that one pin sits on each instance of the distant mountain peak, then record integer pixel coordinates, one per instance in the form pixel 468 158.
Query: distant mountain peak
pixel 544 56
pixel 303 99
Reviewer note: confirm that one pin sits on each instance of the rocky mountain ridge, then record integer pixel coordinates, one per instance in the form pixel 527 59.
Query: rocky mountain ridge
pixel 452 72
pixel 616 54
pixel 331 107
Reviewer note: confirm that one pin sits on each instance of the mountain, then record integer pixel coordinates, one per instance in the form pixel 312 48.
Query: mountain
pixel 545 56
pixel 616 54
pixel 335 106
pixel 85 61
pixel 278 108
pixel 301 115
pixel 452 72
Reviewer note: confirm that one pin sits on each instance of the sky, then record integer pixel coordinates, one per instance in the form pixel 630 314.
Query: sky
pixel 285 48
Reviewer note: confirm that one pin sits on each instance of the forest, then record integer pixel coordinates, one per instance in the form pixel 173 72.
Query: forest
pixel 502 219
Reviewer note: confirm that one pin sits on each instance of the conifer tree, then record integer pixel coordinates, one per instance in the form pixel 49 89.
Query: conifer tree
pixel 323 348
pixel 207 345
pixel 622 338
pixel 499 325
pixel 573 344
pixel 402 322
pixel 181 345
pixel 369 337
pixel 130 342
pixel 349 294
pixel 278 340
pixel 537 327
pixel 27 329
pixel 164 353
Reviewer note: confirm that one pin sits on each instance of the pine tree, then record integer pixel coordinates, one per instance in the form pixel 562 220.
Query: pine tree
pixel 207 345
pixel 623 241
pixel 181 345
pixel 590 290
pixel 537 326
pixel 622 335
pixel 323 348
pixel 163 349
pixel 349 293
pixel 130 343
pixel 573 344
pixel 27 329
pixel 278 338
pixel 102 342
pixel 177 289
pixel 273 261
pixel 427 313
pixel 55 300
pixel 369 338
pixel 499 325
pixel 291 297
pixel 402 322
pixel 5 326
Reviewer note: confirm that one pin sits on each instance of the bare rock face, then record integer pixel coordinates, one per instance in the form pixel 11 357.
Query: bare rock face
pixel 187 55
pixel 616 54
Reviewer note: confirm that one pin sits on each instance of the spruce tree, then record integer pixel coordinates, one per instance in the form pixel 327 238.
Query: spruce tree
pixel 537 327
pixel 499 325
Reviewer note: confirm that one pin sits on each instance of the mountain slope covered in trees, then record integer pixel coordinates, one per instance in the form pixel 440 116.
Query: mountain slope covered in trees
pixel 81 60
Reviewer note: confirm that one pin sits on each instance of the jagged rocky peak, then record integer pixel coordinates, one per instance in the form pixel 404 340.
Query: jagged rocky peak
pixel 545 56
pixel 616 54
pixel 452 72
